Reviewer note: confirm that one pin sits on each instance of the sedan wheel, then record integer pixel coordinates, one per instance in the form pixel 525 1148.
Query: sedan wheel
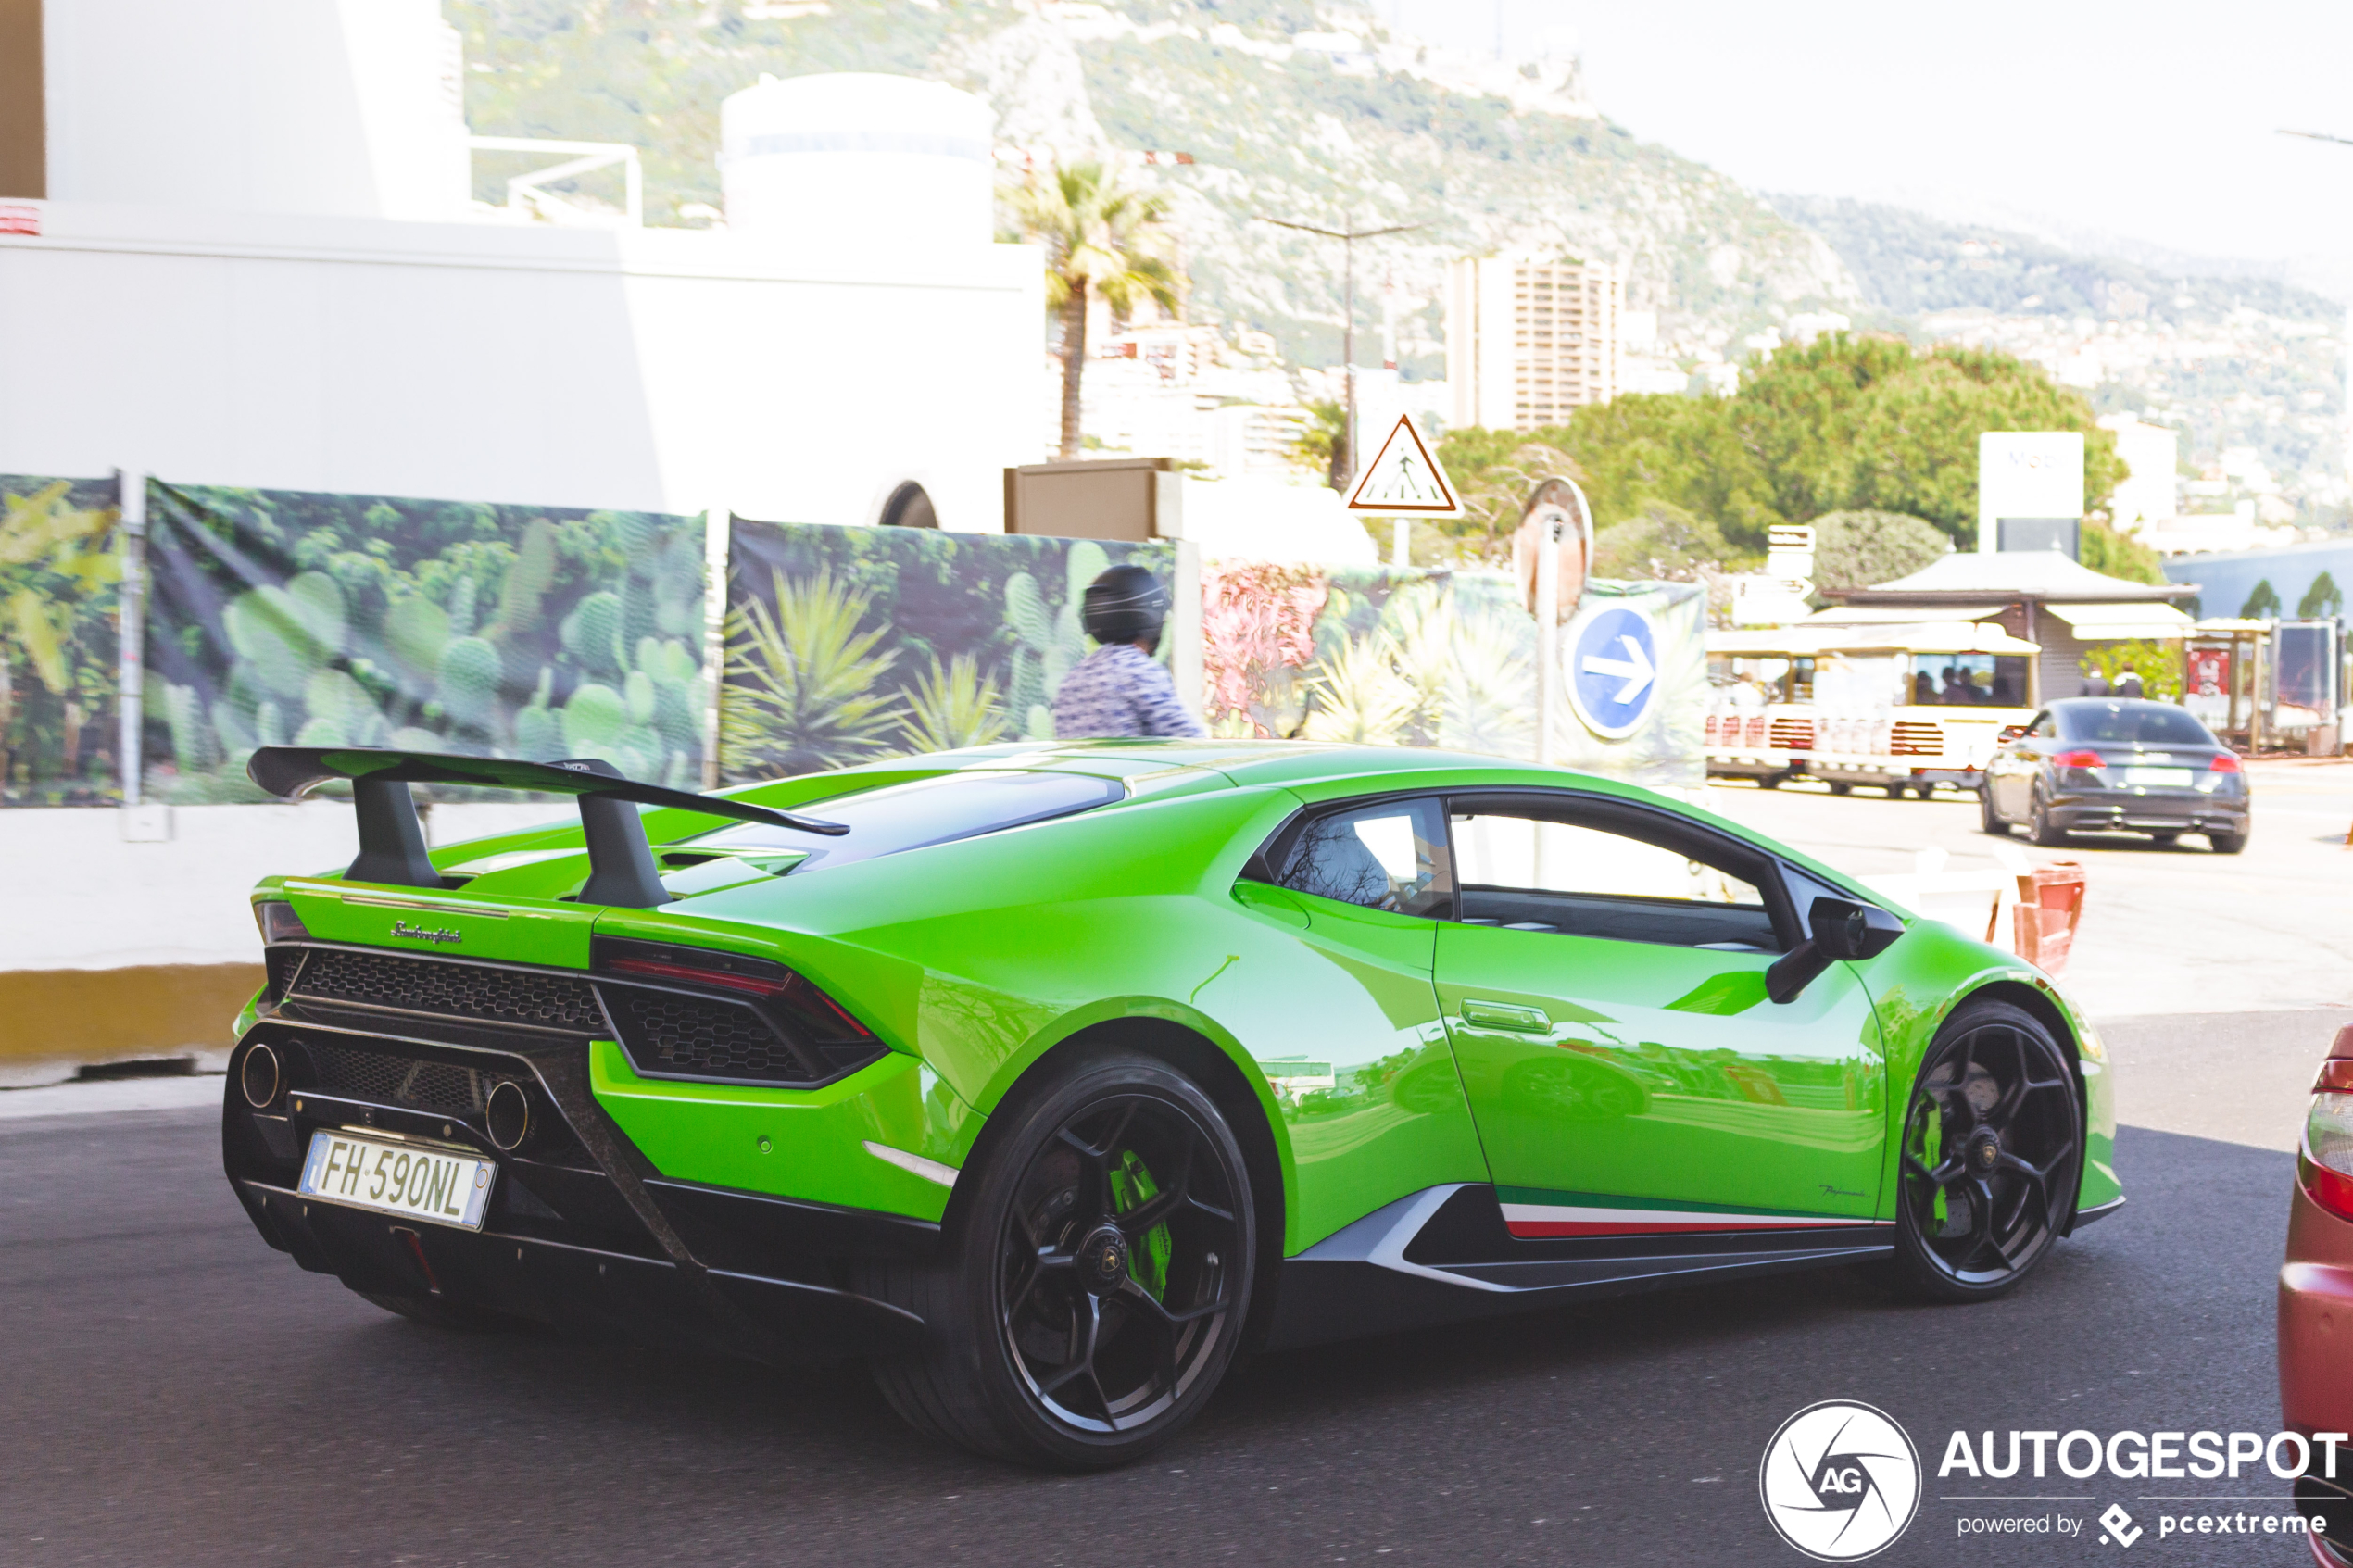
pixel 1092 1294
pixel 2041 829
pixel 1987 817
pixel 1992 1155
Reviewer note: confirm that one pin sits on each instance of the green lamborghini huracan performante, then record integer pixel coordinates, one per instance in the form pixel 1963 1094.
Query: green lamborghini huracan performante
pixel 1047 1077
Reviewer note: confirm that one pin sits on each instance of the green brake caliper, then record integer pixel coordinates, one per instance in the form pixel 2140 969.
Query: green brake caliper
pixel 1131 1188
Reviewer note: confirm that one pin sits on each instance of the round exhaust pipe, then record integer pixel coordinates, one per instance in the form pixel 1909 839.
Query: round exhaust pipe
pixel 261 1077
pixel 506 1116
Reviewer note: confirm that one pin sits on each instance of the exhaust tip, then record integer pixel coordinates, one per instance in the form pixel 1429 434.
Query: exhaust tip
pixel 506 1116
pixel 260 1077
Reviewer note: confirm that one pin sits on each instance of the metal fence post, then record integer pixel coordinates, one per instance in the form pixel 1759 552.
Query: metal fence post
pixel 131 512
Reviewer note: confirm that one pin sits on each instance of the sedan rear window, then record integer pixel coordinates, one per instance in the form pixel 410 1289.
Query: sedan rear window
pixel 933 810
pixel 2126 723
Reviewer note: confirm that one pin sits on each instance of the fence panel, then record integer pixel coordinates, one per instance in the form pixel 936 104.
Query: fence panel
pixel 321 620
pixel 850 644
pixel 60 576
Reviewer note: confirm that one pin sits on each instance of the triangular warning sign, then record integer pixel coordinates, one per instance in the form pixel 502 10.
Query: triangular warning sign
pixel 1404 479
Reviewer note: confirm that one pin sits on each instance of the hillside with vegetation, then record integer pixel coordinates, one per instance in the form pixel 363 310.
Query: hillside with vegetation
pixel 1368 139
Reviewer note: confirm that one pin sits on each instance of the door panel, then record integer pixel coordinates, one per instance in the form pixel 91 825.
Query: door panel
pixel 1634 1088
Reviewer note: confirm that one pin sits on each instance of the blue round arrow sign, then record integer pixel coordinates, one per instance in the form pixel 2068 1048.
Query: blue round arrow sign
pixel 1613 672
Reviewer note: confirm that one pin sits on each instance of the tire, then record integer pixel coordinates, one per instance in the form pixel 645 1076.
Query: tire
pixel 2227 843
pixel 1769 781
pixel 1988 819
pixel 1839 786
pixel 1992 1156
pixel 1061 1331
pixel 435 1313
pixel 2164 840
pixel 2041 829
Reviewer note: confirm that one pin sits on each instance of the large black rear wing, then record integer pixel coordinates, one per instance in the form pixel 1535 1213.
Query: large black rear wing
pixel 391 841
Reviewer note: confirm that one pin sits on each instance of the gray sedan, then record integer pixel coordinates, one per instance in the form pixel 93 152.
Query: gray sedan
pixel 2100 764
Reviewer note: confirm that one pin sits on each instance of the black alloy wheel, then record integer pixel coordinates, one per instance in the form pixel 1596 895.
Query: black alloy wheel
pixel 2040 829
pixel 1992 1156
pixel 1988 819
pixel 1093 1292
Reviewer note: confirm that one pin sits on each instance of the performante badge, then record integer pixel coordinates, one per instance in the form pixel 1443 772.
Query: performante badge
pixel 1840 1481
pixel 423 934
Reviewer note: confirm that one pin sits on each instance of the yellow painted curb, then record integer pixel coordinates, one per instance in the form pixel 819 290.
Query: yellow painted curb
pixel 110 1014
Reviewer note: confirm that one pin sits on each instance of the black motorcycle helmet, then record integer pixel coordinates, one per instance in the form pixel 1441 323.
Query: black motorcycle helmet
pixel 1125 604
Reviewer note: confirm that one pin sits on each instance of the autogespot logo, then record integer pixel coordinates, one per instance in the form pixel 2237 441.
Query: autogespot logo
pixel 1840 1481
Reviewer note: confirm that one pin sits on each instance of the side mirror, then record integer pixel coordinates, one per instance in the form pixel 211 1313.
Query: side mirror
pixel 1844 931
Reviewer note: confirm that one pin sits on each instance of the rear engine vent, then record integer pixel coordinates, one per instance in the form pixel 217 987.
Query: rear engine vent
pixel 451 990
pixel 679 1036
pixel 1918 738
pixel 407 1082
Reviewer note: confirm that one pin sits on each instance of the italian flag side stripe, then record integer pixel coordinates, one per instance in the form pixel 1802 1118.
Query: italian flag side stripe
pixel 1555 1219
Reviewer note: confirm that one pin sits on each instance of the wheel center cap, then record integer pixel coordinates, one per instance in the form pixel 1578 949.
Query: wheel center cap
pixel 1102 1260
pixel 1984 1150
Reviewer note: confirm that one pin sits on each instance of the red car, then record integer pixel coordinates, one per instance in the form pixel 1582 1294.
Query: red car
pixel 2316 1295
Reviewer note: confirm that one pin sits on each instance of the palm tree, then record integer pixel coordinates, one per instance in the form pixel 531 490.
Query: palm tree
pixel 1100 238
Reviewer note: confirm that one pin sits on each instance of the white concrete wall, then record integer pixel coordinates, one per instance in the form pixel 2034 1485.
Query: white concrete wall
pixel 80 897
pixel 664 369
pixel 338 107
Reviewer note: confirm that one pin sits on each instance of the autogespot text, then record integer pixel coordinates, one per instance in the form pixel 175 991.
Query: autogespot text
pixel 2137 1456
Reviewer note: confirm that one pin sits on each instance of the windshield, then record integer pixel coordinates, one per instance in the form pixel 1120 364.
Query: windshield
pixel 2125 723
pixel 933 810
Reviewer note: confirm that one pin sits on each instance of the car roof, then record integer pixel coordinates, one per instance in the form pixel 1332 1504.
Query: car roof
pixel 1252 763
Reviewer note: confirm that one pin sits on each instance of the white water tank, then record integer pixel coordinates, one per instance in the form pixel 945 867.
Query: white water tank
pixel 858 157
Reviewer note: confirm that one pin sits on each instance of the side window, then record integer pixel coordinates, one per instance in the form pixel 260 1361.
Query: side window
pixel 1387 857
pixel 1527 871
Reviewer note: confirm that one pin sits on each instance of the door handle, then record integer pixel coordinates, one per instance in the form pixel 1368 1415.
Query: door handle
pixel 1504 1015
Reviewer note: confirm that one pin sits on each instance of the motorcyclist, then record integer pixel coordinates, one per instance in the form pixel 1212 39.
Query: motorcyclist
pixel 1120 689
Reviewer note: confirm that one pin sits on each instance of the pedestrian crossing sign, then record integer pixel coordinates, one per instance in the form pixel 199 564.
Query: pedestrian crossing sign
pixel 1404 479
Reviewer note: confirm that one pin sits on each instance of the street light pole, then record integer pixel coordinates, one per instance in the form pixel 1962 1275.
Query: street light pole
pixel 1347 238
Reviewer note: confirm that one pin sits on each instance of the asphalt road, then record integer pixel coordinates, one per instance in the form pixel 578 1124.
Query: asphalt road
pixel 177 1394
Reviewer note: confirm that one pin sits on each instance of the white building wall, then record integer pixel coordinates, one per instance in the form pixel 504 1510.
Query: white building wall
pixel 664 370
pixel 2153 453
pixel 332 107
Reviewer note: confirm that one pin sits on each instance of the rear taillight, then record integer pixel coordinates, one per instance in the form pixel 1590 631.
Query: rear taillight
pixel 2225 762
pixel 2079 758
pixel 278 923
pixel 2326 1167
pixel 824 1020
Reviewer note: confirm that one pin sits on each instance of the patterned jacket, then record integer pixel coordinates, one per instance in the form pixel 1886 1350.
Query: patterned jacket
pixel 1120 690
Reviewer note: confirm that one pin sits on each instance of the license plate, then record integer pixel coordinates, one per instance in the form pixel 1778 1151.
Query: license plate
pixel 396 1178
pixel 2158 778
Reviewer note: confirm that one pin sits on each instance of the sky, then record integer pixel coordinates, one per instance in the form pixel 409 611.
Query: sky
pixel 2155 121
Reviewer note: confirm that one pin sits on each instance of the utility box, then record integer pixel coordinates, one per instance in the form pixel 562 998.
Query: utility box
pixel 1131 498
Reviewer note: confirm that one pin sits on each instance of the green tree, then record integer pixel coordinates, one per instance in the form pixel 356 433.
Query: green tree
pixel 1662 542
pixel 2321 601
pixel 2263 604
pixel 2118 555
pixel 1858 549
pixel 1099 238
pixel 1494 471
pixel 1323 446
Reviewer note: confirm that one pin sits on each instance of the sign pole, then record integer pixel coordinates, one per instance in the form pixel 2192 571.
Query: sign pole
pixel 1548 639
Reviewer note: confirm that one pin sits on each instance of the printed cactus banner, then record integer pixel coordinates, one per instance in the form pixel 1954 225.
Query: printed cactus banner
pixel 1379 656
pixel 320 619
pixel 59 617
pixel 847 645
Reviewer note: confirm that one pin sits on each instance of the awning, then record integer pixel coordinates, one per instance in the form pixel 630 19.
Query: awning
pixel 1811 640
pixel 2102 622
pixel 1860 615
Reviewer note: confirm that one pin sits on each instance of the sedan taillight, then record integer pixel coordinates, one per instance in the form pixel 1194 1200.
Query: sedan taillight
pixel 2326 1167
pixel 2225 762
pixel 2079 758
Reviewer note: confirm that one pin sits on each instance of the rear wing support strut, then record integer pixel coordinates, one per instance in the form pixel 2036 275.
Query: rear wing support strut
pixel 392 840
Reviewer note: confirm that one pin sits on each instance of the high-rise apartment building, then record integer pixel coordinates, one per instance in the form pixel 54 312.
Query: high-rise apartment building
pixel 1528 341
